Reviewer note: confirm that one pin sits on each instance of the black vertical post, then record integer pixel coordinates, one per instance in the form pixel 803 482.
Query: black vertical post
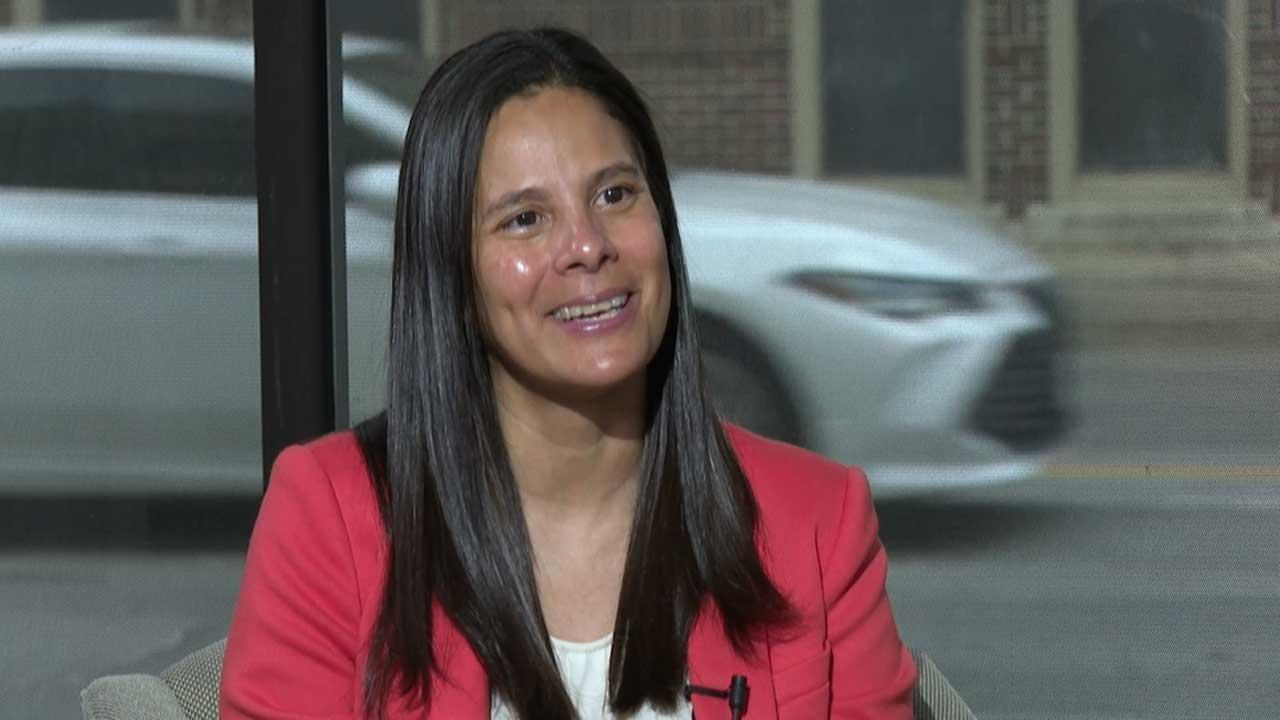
pixel 301 248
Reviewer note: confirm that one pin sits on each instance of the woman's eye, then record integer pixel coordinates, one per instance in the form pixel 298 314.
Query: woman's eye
pixel 525 219
pixel 614 195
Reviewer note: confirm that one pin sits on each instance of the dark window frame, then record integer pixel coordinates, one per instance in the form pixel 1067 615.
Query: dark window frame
pixel 301 243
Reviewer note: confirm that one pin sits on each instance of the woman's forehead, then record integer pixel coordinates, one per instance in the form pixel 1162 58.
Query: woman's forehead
pixel 554 134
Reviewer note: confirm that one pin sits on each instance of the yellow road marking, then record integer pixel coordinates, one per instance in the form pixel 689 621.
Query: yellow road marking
pixel 1165 471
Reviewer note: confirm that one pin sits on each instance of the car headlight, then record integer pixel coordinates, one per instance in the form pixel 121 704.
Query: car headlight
pixel 895 297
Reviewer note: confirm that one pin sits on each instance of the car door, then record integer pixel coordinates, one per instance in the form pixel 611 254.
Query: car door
pixel 128 280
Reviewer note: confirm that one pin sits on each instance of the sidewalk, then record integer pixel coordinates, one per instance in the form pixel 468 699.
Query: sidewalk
pixel 1205 276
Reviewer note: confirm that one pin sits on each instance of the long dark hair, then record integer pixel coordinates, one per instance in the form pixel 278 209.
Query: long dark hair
pixel 441 470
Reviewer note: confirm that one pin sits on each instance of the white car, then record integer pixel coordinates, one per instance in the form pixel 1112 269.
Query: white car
pixel 882 331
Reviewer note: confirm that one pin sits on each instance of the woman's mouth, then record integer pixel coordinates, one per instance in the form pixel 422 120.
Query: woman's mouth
pixel 593 312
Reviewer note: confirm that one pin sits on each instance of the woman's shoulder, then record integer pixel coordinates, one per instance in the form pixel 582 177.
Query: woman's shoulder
pixel 797 489
pixel 775 467
pixel 337 454
pixel 329 473
pixel 333 460
pixel 311 586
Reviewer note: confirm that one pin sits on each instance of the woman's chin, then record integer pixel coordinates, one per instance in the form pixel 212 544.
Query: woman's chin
pixel 600 382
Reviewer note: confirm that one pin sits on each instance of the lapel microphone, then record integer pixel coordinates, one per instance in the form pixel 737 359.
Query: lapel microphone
pixel 735 695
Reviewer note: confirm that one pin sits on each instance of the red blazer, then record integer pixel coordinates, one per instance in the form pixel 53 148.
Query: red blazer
pixel 314 575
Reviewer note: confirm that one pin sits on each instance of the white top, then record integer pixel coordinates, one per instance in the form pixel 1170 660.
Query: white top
pixel 584 668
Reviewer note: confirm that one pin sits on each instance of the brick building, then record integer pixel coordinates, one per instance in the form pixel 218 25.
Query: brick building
pixel 1020 99
pixel 1134 144
pixel 997 103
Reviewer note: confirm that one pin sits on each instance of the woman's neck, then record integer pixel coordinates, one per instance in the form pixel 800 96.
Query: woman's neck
pixel 576 466
pixel 573 459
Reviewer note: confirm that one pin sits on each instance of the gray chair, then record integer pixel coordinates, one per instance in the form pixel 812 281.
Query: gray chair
pixel 188 690
pixel 934 698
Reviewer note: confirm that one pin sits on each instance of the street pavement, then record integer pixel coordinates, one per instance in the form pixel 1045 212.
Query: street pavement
pixel 1140 578
pixel 1095 598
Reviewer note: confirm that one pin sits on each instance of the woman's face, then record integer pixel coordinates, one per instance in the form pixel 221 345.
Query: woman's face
pixel 569 256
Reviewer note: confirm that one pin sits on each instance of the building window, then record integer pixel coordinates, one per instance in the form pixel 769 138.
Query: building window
pixel 1152 85
pixel 893 87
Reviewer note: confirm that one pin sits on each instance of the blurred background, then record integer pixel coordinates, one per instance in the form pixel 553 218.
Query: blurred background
pixel 1020 259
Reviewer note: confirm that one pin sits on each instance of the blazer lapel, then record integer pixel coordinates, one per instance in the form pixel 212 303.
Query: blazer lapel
pixel 713 663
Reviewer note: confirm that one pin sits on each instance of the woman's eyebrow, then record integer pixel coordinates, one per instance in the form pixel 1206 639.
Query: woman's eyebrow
pixel 608 172
pixel 516 197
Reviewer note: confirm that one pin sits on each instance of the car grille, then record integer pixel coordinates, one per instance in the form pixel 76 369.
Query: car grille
pixel 1021 406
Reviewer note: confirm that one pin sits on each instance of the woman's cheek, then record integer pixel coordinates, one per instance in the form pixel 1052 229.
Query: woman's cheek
pixel 521 267
pixel 506 271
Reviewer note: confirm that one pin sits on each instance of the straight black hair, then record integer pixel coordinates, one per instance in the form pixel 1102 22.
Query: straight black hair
pixel 440 468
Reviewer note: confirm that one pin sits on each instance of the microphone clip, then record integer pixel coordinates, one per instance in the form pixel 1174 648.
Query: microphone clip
pixel 735 694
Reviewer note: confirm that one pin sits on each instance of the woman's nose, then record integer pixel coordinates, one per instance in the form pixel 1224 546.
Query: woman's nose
pixel 585 246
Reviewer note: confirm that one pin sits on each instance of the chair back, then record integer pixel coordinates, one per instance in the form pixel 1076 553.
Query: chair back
pixel 195 679
pixel 933 697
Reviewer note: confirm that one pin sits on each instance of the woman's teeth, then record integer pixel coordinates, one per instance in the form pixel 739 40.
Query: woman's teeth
pixel 605 309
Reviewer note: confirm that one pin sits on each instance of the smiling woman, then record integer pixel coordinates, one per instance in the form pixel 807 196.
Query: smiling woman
pixel 570 262
pixel 549 520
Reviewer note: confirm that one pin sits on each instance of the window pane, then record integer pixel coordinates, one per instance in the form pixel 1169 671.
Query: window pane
pixel 893 87
pixel 383 76
pixel 1110 564
pixel 130 450
pixel 1153 85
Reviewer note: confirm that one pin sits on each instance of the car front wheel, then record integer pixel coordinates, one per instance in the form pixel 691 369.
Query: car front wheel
pixel 744 385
